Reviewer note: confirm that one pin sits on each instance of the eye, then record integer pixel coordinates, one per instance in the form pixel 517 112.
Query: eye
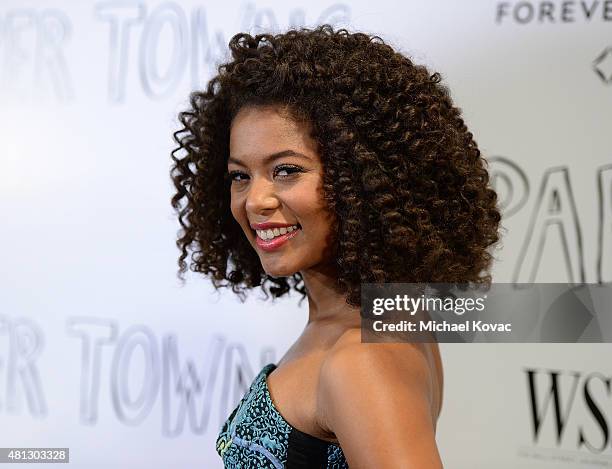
pixel 290 169
pixel 232 175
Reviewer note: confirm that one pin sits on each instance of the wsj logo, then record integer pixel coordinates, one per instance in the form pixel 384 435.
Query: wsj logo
pixel 576 407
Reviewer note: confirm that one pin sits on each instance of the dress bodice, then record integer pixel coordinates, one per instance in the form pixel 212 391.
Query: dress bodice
pixel 256 436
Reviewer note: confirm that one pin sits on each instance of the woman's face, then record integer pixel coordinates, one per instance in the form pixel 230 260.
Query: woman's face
pixel 277 177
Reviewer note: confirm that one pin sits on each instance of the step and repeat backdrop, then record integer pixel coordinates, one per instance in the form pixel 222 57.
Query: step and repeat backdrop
pixel 102 350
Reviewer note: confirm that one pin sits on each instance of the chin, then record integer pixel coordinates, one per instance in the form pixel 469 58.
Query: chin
pixel 279 271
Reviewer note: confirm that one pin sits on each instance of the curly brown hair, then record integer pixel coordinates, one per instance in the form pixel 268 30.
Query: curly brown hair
pixel 402 172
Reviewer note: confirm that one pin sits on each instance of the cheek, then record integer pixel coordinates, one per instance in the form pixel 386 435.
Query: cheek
pixel 328 223
pixel 331 226
pixel 239 214
pixel 317 218
pixel 236 211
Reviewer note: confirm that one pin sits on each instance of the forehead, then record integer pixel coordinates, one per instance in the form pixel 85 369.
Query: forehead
pixel 259 131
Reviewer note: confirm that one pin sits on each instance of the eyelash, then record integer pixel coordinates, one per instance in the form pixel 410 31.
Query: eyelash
pixel 296 169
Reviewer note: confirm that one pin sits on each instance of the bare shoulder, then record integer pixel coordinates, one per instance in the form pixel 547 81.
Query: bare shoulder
pixel 350 361
pixel 378 399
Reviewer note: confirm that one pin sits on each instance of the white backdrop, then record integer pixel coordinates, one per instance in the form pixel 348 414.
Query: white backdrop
pixel 100 347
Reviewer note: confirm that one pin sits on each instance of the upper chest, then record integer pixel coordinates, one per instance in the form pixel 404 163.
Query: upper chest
pixel 293 390
pixel 293 385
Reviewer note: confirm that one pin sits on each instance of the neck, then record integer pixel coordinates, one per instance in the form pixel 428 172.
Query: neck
pixel 325 303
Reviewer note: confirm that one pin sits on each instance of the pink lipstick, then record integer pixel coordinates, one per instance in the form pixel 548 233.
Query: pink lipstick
pixel 276 242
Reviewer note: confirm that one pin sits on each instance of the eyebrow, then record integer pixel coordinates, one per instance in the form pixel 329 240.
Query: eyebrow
pixel 271 157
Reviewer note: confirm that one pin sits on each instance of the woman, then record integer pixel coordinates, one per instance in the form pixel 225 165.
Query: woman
pixel 317 160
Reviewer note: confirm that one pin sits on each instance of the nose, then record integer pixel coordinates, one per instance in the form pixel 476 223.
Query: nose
pixel 261 196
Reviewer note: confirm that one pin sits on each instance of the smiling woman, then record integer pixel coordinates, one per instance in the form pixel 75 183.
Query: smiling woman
pixel 277 181
pixel 319 160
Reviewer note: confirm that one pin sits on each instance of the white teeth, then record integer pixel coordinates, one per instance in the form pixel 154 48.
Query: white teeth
pixel 271 233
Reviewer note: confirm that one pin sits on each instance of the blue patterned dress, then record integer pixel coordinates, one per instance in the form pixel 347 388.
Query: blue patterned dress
pixel 255 436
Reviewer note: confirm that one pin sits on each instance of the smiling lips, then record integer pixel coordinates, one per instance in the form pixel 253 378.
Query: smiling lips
pixel 275 237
